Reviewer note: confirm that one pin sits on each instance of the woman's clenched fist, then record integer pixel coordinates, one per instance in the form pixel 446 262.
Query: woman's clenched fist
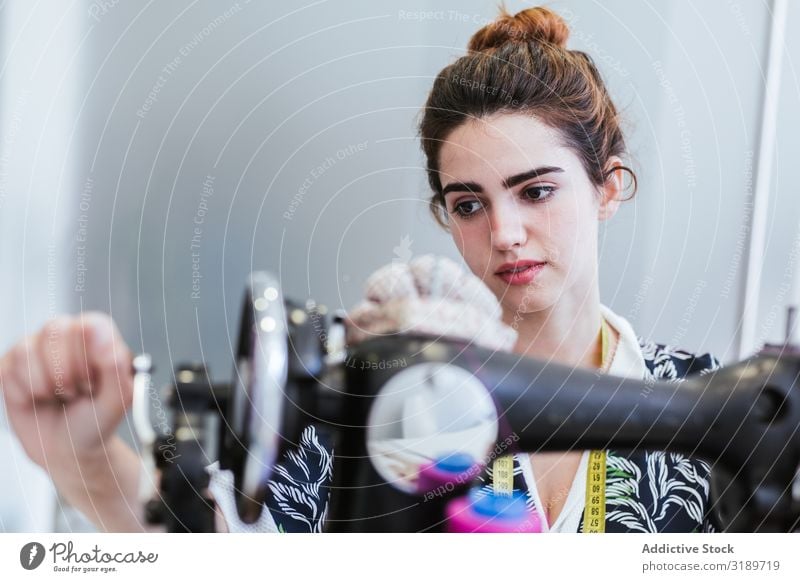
pixel 66 388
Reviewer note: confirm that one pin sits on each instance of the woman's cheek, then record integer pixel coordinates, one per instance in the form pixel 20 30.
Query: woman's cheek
pixel 458 238
pixel 471 246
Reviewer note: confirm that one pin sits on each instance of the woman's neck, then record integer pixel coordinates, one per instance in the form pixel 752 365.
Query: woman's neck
pixel 567 333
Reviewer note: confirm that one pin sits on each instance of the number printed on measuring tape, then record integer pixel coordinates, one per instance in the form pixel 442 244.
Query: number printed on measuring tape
pixel 594 516
pixel 503 475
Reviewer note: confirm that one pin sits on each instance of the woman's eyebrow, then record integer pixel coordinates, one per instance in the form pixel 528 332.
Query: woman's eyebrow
pixel 535 173
pixel 510 182
pixel 471 187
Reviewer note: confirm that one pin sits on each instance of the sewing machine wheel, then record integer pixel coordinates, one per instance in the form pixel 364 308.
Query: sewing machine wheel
pixel 429 412
pixel 252 440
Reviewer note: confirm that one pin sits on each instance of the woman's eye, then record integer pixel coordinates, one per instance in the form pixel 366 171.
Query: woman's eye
pixel 538 193
pixel 467 208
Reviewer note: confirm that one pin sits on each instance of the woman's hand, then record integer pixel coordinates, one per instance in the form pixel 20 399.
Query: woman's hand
pixel 431 295
pixel 66 389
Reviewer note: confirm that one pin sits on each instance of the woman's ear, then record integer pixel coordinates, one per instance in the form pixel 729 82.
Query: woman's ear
pixel 611 191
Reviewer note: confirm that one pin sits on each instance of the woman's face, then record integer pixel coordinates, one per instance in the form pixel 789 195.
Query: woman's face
pixel 513 192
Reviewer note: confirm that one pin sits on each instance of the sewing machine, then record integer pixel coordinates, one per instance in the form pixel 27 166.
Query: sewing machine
pixel 395 402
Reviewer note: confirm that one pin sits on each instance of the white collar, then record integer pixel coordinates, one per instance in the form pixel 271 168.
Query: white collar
pixel 628 359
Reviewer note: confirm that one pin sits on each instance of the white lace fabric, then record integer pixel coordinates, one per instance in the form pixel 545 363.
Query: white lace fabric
pixel 433 295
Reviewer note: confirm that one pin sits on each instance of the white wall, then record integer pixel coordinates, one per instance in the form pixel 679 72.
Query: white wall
pixel 39 75
pixel 698 100
pixel 781 278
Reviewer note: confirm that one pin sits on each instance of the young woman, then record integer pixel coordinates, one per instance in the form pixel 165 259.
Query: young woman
pixel 524 155
pixel 523 146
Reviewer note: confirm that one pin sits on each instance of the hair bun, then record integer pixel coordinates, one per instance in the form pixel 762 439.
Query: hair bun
pixel 532 24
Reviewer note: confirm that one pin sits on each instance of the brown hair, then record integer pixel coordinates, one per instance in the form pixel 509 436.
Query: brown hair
pixel 520 63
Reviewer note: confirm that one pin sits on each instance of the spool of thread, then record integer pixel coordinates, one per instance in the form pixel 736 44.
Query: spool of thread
pixel 484 511
pixel 447 473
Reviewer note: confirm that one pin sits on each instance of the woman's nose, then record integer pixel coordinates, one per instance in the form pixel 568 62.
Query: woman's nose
pixel 507 229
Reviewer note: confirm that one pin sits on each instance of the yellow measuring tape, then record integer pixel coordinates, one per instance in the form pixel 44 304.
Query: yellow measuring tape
pixel 503 475
pixel 594 514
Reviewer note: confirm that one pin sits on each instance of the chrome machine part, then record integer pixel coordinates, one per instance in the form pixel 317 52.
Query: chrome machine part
pixel 142 394
pixel 252 441
pixel 425 413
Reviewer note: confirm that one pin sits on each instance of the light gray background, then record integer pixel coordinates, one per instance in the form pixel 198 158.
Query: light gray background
pixel 264 93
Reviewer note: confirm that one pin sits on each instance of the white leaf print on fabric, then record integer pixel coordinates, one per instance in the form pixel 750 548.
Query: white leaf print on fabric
pixel 666 490
pixel 688 468
pixel 622 494
pixel 301 500
pixel 663 359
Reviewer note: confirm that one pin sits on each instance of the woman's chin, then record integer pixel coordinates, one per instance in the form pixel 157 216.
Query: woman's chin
pixel 520 301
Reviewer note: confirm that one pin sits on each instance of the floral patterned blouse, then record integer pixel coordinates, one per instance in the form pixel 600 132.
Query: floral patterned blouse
pixel 647 491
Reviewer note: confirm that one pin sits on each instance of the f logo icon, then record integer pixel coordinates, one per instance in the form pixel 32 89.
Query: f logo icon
pixel 31 555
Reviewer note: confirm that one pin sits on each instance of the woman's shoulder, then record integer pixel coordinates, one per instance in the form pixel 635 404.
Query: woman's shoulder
pixel 667 362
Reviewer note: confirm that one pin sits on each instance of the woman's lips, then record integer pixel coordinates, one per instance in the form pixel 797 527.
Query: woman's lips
pixel 523 277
